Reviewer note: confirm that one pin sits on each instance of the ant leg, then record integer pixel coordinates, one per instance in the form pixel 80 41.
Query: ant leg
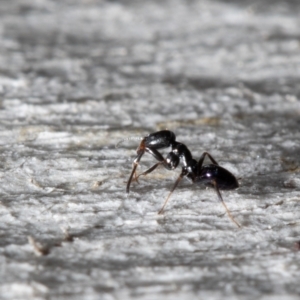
pixel 140 151
pixel 155 154
pixel 135 164
pixel 211 158
pixel 183 173
pixel 201 159
pixel 222 201
pixel 159 157
pixel 170 163
pixel 149 170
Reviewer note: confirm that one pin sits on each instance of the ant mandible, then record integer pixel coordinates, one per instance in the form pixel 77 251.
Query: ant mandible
pixel 211 175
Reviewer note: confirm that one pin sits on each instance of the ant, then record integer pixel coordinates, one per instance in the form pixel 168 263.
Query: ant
pixel 211 175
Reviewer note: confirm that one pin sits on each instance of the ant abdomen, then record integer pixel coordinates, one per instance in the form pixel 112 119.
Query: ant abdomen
pixel 211 175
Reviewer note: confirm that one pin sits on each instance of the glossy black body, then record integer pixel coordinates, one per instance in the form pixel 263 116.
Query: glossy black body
pixel 159 140
pixel 224 179
pixel 211 175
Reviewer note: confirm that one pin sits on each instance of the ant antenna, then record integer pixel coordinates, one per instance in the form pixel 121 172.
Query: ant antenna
pixel 128 139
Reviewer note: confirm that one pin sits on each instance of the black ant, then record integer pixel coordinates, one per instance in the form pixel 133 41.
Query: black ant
pixel 211 175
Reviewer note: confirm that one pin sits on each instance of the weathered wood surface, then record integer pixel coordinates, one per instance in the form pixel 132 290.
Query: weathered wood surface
pixel 78 76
